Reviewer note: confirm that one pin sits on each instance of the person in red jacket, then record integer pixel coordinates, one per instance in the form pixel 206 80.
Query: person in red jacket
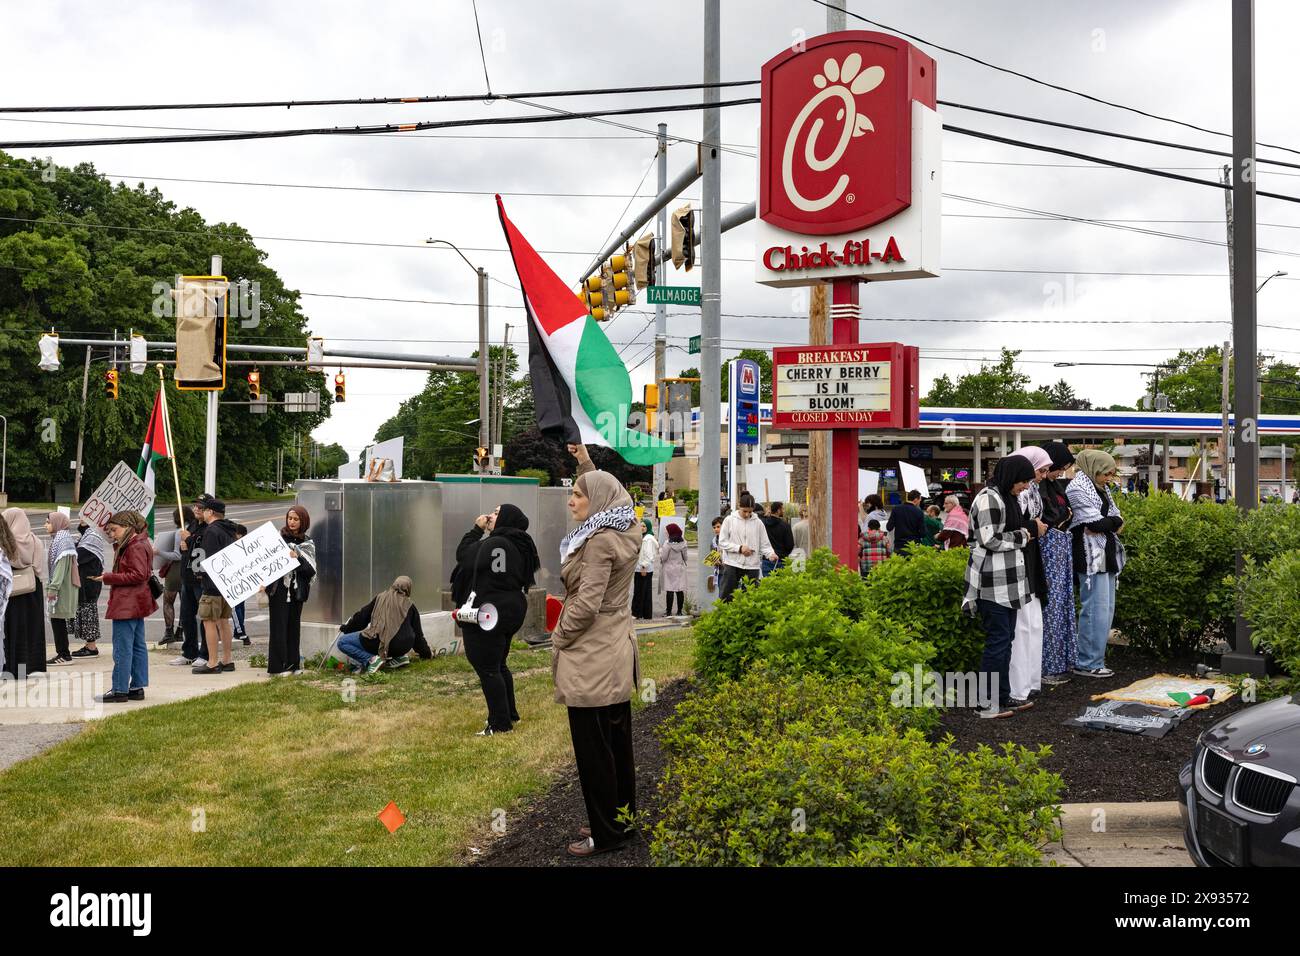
pixel 129 603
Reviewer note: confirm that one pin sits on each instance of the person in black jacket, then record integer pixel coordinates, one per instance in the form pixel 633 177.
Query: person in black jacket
pixel 907 521
pixel 498 568
pixel 779 536
pixel 219 533
pixel 385 629
pixel 286 596
pixel 194 645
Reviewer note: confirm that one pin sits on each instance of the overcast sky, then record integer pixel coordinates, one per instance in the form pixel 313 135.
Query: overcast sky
pixel 1171 58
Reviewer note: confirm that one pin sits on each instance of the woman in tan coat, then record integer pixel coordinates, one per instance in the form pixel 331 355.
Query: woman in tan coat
pixel 595 654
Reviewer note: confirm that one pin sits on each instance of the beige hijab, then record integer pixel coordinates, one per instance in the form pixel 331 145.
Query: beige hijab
pixel 31 553
pixel 1094 462
pixel 389 614
pixel 604 491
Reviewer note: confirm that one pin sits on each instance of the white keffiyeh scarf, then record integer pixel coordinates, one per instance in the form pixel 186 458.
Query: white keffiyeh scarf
pixel 1085 501
pixel 621 518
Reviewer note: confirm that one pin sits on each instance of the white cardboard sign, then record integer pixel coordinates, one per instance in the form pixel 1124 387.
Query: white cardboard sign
pixel 868 483
pixel 913 478
pixel 252 562
pixel 391 449
pixel 768 481
pixel 120 491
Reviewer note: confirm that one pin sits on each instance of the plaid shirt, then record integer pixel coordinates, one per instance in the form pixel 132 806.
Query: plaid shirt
pixel 874 549
pixel 996 571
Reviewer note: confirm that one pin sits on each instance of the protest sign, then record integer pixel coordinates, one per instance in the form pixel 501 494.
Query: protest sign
pixel 252 562
pixel 120 491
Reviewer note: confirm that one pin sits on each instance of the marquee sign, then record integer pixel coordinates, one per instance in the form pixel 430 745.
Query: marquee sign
pixel 845 386
pixel 849 162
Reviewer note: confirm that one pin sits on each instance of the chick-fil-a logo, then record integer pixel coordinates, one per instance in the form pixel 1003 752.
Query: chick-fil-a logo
pixel 836 138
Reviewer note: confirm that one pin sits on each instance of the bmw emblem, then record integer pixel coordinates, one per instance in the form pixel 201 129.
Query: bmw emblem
pixel 1254 750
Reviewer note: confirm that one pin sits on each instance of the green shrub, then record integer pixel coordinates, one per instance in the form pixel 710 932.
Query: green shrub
pixel 1268 531
pixel 777 770
pixel 924 592
pixel 1175 593
pixel 543 477
pixel 813 620
pixel 1271 602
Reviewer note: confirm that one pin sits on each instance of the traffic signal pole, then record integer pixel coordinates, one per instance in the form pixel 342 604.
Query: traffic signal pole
pixel 81 429
pixel 661 314
pixel 710 300
pixel 210 439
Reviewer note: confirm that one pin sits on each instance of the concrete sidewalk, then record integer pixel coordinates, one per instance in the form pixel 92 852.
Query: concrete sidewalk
pixel 69 693
pixel 1120 834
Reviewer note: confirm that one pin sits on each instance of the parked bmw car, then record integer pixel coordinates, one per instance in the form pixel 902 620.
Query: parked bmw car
pixel 1240 800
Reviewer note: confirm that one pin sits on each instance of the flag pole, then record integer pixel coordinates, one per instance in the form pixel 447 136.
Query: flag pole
pixel 171 447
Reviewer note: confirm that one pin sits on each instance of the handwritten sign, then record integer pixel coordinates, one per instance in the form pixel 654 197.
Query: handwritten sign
pixel 120 491
pixel 666 508
pixel 252 562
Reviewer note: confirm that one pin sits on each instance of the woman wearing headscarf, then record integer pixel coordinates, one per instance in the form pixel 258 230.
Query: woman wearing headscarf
pixel 594 664
pixel 497 561
pixel 1098 556
pixel 385 629
pixel 997 582
pixel 1026 670
pixel 1060 634
pixel 286 596
pixel 956 525
pixel 94 553
pixel 129 602
pixel 672 563
pixel 64 584
pixel 24 643
pixel 643 584
pixel 8 552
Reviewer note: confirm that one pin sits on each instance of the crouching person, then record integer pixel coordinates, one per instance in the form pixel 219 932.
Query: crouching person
pixel 387 628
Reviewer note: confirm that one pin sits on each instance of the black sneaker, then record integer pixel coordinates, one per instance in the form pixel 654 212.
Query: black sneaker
pixel 228 666
pixel 59 659
pixel 171 637
pixel 246 639
pixel 114 697
pixel 1018 705
pixel 135 694
pixel 206 669
pixel 86 651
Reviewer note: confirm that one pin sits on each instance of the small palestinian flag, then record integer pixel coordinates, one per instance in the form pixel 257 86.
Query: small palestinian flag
pixel 581 388
pixel 155 448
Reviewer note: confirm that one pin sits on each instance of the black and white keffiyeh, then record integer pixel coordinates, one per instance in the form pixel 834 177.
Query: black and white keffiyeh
pixel 620 518
pixel 1088 507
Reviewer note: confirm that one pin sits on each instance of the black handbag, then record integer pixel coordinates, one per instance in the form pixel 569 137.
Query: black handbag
pixel 155 586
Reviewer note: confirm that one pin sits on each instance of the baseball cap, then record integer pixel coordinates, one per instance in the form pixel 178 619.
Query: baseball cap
pixel 215 504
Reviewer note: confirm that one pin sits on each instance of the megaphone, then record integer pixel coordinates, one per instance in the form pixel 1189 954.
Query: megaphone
pixel 484 616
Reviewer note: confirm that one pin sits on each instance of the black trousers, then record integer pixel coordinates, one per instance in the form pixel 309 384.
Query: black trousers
pixel 195 642
pixel 732 577
pixel 487 652
pixel 286 633
pixel 643 596
pixel 60 628
pixel 681 603
pixel 602 748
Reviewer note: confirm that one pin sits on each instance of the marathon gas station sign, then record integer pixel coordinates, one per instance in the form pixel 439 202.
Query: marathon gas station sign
pixel 845 386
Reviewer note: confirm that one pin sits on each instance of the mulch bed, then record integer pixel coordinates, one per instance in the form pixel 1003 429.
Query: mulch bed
pixel 1097 765
pixel 539 836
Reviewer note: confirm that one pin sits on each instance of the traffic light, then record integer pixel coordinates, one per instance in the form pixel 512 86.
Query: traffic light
pixel 340 388
pixel 254 385
pixel 651 399
pixel 594 296
pixel 620 283
pixel 111 383
pixel 645 261
pixel 683 233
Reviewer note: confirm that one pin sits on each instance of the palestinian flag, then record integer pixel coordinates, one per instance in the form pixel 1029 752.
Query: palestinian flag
pixel 581 387
pixel 155 448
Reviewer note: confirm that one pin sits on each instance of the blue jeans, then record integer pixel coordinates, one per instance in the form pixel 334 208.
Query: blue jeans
pixel 350 644
pixel 130 658
pixel 999 632
pixel 1097 597
pixel 770 566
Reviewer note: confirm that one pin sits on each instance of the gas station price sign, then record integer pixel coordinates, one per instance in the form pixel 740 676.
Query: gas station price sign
pixel 844 386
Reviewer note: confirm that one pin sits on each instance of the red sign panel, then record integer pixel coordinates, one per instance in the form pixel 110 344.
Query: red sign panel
pixel 835 147
pixel 845 386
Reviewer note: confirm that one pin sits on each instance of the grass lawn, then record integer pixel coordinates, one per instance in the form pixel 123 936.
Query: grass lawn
pixel 289 773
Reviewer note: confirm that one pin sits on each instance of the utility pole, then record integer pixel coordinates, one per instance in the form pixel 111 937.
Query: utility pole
pixel 820 472
pixel 1243 658
pixel 661 310
pixel 81 430
pixel 710 296
pixel 484 415
pixel 1224 463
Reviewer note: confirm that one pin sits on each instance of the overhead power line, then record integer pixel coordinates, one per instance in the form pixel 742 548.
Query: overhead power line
pixel 1052 86
pixel 385 128
pixel 379 100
